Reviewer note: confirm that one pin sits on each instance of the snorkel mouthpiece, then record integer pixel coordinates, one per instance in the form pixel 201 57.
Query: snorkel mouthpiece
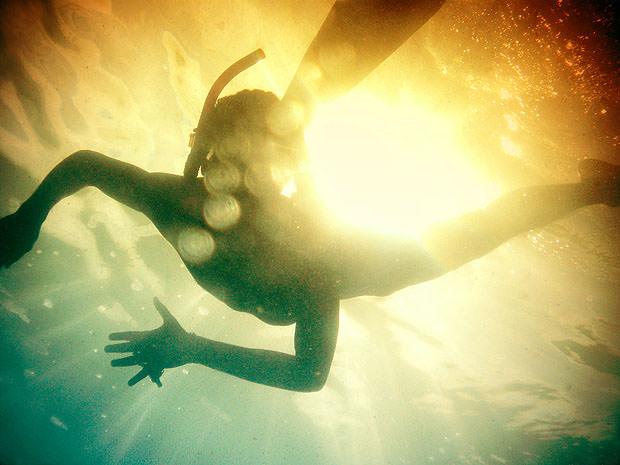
pixel 200 150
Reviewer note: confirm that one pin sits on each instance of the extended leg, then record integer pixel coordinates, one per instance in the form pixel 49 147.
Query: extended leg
pixel 456 242
pixel 368 264
pixel 126 183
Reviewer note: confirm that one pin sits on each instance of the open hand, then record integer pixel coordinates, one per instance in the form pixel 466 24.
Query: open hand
pixel 153 350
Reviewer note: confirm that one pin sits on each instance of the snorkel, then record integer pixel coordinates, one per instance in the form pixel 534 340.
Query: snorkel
pixel 200 147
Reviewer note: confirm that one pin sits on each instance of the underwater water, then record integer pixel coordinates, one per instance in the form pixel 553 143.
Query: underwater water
pixel 511 359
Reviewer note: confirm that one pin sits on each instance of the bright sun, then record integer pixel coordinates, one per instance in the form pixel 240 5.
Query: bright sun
pixel 394 168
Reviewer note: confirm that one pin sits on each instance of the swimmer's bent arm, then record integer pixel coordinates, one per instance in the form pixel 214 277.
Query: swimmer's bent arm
pixel 152 194
pixel 315 340
pixel 307 370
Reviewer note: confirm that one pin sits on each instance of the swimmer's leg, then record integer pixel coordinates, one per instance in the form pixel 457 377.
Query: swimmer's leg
pixel 459 241
pixel 130 185
pixel 380 266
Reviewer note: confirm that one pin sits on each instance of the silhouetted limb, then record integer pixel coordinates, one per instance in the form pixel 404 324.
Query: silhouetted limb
pixel 157 195
pixel 20 230
pixel 18 233
pixel 354 39
pixel 121 181
pixel 381 265
pixel 604 177
pixel 171 346
pixel 473 235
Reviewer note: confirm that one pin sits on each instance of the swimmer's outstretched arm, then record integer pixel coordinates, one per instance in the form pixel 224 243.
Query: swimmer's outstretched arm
pixel 170 346
pixel 154 194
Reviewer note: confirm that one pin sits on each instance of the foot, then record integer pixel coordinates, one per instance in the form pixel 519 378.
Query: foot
pixel 604 176
pixel 17 236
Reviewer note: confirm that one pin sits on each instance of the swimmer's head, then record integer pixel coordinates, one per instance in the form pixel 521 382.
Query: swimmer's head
pixel 254 132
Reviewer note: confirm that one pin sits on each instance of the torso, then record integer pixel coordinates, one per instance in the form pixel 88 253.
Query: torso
pixel 267 264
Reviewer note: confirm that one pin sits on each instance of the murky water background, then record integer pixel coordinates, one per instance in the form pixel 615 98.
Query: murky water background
pixel 515 358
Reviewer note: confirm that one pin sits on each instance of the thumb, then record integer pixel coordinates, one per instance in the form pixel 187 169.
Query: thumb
pixel 164 312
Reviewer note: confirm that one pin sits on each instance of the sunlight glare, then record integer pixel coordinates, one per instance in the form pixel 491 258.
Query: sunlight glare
pixel 392 167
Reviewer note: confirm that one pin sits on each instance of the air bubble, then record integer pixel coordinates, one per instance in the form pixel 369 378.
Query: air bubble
pixel 221 211
pixel 258 179
pixel 221 177
pixel 195 245
pixel 58 422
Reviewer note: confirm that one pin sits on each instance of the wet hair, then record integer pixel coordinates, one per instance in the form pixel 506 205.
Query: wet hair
pixel 247 107
pixel 244 113
pixel 237 121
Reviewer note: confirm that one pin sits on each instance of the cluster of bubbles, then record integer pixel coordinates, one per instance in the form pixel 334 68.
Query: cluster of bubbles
pixel 264 154
pixel 221 210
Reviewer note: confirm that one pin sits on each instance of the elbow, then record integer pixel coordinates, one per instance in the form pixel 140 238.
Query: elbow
pixel 82 164
pixel 83 157
pixel 311 381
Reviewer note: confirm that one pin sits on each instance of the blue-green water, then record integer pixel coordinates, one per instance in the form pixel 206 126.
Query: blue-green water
pixel 512 359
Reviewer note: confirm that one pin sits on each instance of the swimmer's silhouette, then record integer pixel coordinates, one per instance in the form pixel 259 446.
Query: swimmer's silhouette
pixel 284 259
